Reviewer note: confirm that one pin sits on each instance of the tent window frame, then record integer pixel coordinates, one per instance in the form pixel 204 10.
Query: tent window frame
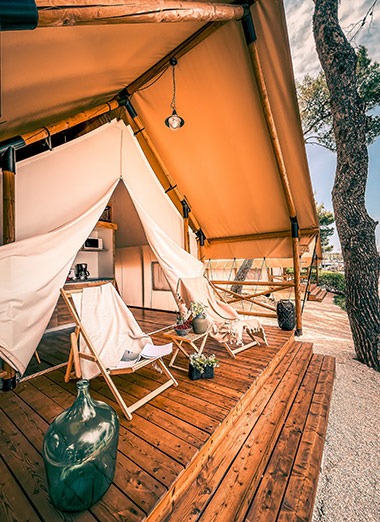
pixel 159 282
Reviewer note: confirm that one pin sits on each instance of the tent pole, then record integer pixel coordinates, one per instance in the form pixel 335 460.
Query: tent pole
pixel 251 40
pixel 58 13
pixel 263 235
pixel 317 270
pixel 186 237
pixel 18 142
pixel 201 245
pixel 8 163
pixel 297 276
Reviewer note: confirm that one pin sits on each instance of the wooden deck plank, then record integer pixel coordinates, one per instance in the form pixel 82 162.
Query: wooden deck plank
pixel 300 494
pixel 268 497
pixel 192 389
pixel 14 505
pixel 156 463
pixel 201 466
pixel 166 404
pixel 183 431
pixel 27 467
pixel 195 497
pixel 129 477
pixel 234 495
pixel 197 405
pixel 158 437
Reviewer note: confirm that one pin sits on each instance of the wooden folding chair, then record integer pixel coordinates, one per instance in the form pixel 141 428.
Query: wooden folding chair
pixel 75 357
pixel 232 351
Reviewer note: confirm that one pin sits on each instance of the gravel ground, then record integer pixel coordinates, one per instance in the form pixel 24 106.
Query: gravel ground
pixel 349 483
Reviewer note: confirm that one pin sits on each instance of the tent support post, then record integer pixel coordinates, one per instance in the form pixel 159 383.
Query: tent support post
pixel 317 270
pixel 251 40
pixel 186 237
pixel 297 275
pixel 8 163
pixel 201 245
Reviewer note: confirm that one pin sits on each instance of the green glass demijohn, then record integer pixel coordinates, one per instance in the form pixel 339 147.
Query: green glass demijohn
pixel 79 452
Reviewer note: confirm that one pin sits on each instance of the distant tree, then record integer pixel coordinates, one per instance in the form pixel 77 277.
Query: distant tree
pixel 356 229
pixel 241 275
pixel 314 100
pixel 325 219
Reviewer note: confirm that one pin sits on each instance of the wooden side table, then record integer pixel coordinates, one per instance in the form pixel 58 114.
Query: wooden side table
pixel 180 340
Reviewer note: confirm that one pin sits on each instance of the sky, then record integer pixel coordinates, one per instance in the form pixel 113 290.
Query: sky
pixel 322 162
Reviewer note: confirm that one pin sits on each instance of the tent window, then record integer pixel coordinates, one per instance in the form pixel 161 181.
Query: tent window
pixel 158 279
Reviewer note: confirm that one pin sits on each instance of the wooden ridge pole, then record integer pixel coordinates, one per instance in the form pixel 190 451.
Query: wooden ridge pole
pixel 23 140
pixel 269 284
pixel 58 13
pixel 250 35
pixel 8 163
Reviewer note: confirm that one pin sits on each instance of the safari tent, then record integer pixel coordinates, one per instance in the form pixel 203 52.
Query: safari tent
pixel 238 163
pixel 87 93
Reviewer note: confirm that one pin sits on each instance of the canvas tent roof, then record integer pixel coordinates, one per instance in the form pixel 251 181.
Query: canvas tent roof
pixel 222 159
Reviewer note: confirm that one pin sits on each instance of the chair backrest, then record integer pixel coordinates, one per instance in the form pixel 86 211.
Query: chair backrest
pixel 106 323
pixel 199 289
pixel 77 300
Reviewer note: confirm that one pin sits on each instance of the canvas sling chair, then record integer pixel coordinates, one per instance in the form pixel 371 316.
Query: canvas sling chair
pixel 85 357
pixel 227 327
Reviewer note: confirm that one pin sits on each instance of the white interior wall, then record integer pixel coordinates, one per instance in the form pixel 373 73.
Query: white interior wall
pixel 134 279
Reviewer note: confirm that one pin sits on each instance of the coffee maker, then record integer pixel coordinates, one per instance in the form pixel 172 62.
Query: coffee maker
pixel 81 271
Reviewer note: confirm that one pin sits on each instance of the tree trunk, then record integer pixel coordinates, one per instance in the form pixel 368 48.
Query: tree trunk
pixel 242 275
pixel 356 229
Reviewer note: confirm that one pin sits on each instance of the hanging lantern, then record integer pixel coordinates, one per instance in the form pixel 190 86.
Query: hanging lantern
pixel 174 122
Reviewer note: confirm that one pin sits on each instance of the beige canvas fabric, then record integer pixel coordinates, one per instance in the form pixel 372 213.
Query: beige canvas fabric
pixel 110 326
pixel 222 159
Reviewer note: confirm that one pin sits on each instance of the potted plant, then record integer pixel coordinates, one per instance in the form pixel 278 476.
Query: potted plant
pixel 183 327
pixel 202 366
pixel 200 323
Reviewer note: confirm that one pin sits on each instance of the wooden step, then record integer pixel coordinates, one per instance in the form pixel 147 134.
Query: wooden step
pixel 298 502
pixel 287 489
pixel 224 475
pixel 317 294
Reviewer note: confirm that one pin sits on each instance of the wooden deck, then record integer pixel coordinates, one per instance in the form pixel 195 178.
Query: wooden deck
pixel 244 446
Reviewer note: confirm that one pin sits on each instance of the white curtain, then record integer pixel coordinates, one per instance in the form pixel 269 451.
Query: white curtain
pixel 175 262
pixel 34 268
pixel 31 273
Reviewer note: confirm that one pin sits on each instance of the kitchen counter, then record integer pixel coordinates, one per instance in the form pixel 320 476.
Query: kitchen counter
pixel 89 280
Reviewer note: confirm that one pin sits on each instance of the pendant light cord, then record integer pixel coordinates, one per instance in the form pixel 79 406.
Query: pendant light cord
pixel 172 105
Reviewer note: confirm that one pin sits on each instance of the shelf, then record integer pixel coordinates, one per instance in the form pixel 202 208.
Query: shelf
pixel 106 224
pixel 94 249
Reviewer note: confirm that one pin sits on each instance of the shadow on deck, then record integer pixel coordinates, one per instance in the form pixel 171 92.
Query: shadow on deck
pixel 245 446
